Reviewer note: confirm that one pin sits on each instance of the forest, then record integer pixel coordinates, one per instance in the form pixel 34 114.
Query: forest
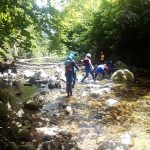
pixel 121 28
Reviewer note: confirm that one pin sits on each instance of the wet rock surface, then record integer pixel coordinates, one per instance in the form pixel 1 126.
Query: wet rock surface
pixel 123 76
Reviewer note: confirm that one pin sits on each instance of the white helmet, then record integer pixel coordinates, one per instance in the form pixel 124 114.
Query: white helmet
pixel 88 55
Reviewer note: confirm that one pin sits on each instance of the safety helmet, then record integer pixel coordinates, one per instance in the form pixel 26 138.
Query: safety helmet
pixel 69 57
pixel 88 55
pixel 72 55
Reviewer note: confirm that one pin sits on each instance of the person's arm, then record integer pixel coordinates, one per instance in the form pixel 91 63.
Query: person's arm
pixel 106 68
pixel 74 64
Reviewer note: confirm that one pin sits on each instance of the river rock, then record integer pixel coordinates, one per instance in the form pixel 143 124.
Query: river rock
pixel 54 84
pixel 27 124
pixel 113 145
pixel 68 110
pixel 60 74
pixel 44 91
pixel 27 147
pixel 111 103
pixel 123 76
pixel 23 134
pixel 32 104
pixel 12 146
pixel 70 146
pixel 98 92
pixel 28 74
pixel 1 75
pixel 49 145
pixel 47 138
pixel 5 75
pixel 39 77
pixel 58 144
pixel 3 110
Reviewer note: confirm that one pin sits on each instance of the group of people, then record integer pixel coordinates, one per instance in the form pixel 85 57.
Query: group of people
pixel 71 67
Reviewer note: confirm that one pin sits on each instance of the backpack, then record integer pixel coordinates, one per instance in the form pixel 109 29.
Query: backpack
pixel 68 66
pixel 86 62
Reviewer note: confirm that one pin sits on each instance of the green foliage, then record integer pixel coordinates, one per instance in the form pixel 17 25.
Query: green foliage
pixel 6 95
pixel 122 26
pixel 22 24
pixel 73 24
pixel 119 26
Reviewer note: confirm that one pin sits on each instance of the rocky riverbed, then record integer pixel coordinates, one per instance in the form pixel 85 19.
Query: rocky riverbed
pixel 99 115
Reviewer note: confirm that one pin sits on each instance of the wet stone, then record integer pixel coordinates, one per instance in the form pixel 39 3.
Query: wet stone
pixel 97 116
pixel 27 147
pixel 47 138
pixel 31 104
pixel 23 134
pixel 12 146
pixel 113 145
pixel 47 146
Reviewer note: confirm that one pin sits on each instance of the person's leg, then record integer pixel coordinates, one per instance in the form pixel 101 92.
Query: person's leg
pixel 96 75
pixel 86 75
pixel 69 84
pixel 92 74
pixel 69 89
pixel 74 80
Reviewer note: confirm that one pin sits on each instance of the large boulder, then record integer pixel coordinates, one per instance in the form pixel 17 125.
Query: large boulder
pixel 39 77
pixel 120 65
pixel 32 104
pixel 123 76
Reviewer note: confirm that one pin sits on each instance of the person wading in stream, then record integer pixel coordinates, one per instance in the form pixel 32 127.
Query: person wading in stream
pixel 70 73
pixel 89 69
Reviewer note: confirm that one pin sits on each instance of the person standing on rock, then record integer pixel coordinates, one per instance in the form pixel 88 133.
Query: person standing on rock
pixel 102 57
pixel 89 69
pixel 70 73
pixel 74 67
